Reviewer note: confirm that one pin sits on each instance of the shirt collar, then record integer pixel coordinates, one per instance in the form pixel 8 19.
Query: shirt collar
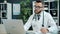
pixel 40 13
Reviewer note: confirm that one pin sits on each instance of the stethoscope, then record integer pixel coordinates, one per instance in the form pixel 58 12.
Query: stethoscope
pixel 42 19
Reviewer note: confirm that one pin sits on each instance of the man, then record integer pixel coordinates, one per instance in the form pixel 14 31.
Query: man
pixel 41 21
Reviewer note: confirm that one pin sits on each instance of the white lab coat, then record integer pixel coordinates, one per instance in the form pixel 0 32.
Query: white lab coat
pixel 37 24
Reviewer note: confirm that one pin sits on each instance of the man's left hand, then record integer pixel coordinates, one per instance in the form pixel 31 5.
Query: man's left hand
pixel 44 30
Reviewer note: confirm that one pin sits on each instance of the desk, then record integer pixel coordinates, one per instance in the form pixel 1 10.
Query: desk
pixel 31 32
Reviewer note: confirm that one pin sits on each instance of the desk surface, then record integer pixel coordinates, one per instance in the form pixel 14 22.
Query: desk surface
pixel 31 32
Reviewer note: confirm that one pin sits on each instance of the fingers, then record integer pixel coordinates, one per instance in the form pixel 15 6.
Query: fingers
pixel 44 30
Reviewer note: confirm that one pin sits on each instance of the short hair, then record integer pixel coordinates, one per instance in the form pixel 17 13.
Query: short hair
pixel 39 1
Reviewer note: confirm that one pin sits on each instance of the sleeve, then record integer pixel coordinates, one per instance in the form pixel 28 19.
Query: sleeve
pixel 28 23
pixel 53 27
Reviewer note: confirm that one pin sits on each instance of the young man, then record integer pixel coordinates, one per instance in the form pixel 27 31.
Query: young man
pixel 41 20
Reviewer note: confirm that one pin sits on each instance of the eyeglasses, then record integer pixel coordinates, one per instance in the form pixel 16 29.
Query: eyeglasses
pixel 38 7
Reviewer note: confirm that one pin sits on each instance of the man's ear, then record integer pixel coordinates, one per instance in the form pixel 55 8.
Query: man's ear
pixel 43 7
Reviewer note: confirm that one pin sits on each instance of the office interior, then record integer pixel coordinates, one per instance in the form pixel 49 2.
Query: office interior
pixel 25 8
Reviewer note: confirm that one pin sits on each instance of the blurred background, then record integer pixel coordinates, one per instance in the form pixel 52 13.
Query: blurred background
pixel 22 9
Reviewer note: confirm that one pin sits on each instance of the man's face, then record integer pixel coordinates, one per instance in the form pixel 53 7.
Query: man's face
pixel 38 7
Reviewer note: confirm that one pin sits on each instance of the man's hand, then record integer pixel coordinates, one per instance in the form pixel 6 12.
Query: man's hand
pixel 44 30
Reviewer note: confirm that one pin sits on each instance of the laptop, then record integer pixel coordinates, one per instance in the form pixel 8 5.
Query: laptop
pixel 14 26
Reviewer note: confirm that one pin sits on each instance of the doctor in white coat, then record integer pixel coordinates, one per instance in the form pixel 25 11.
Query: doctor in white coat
pixel 41 21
